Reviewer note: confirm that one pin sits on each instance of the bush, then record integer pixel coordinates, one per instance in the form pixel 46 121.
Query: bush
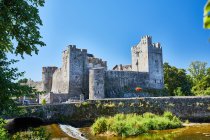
pixel 132 124
pixel 3 132
pixel 32 134
pixel 100 126
pixel 44 102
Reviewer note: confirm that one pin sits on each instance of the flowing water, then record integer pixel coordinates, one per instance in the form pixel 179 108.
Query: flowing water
pixel 194 132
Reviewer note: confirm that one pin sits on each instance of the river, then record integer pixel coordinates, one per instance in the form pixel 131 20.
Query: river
pixel 191 132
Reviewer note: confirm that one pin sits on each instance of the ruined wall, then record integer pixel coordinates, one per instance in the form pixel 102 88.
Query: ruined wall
pixel 96 83
pixel 96 63
pixel 122 67
pixel 60 82
pixel 47 77
pixel 191 108
pixel 116 81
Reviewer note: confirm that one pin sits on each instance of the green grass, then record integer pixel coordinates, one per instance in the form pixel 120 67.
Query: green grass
pixel 132 124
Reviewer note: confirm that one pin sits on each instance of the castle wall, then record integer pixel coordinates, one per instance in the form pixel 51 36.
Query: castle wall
pixel 116 81
pixel 96 83
pixel 123 67
pixel 61 76
pixel 195 109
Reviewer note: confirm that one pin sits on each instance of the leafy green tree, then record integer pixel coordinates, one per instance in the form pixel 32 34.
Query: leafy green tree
pixel 206 19
pixel 177 82
pixel 25 80
pixel 19 23
pixel 197 70
pixel 202 87
pixel 19 34
pixel 9 89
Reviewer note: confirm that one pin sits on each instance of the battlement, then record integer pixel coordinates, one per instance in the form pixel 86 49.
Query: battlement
pixel 156 47
pixel 146 40
pixel 146 37
pixel 74 48
pixel 96 62
pixel 49 69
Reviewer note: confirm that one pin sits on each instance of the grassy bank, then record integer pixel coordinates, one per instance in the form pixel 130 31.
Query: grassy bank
pixel 132 124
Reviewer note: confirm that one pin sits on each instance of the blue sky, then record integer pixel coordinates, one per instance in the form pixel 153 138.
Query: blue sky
pixel 109 28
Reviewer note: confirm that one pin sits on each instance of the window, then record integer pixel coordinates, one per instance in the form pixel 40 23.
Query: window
pixel 137 54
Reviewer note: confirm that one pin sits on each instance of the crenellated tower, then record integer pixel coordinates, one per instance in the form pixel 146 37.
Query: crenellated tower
pixel 78 71
pixel 147 57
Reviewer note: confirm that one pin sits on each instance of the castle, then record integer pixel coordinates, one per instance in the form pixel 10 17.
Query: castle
pixel 84 76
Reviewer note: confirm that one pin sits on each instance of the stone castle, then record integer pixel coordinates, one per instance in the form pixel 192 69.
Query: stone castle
pixel 84 76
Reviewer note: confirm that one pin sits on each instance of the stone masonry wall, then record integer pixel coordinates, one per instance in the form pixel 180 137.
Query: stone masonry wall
pixel 191 108
pixel 78 72
pixel 60 82
pixel 96 83
pixel 116 81
pixel 156 66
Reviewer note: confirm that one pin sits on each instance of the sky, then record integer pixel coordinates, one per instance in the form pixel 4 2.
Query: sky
pixel 109 28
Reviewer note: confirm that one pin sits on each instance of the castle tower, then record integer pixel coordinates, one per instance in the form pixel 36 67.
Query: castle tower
pixel 96 83
pixel 147 57
pixel 47 74
pixel 78 72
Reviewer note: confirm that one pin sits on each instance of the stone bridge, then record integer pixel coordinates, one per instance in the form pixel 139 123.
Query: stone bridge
pixel 191 108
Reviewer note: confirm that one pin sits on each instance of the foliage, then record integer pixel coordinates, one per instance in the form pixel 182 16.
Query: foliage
pixel 200 76
pixel 177 82
pixel 20 23
pixel 178 92
pixel 109 105
pixel 197 70
pixel 85 103
pixel 132 124
pixel 206 19
pixel 25 80
pixel 32 134
pixel 9 89
pixel 44 102
pixel 202 87
pixel 3 132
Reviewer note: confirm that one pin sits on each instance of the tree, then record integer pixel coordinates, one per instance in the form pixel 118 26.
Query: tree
pixel 19 22
pixel 177 82
pixel 202 87
pixel 197 70
pixel 8 88
pixel 206 19
pixel 19 34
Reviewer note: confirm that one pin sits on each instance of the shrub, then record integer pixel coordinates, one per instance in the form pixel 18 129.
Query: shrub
pixel 32 134
pixel 100 126
pixel 109 105
pixel 85 103
pixel 132 124
pixel 44 102
pixel 3 132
